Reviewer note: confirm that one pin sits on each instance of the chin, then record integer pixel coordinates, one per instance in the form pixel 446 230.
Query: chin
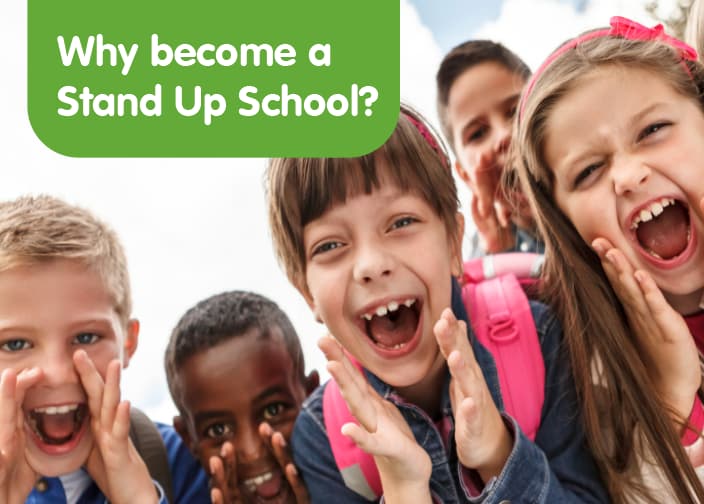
pixel 51 462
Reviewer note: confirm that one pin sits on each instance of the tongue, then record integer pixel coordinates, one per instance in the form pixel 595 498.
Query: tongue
pixel 666 234
pixel 271 487
pixel 57 426
pixel 395 328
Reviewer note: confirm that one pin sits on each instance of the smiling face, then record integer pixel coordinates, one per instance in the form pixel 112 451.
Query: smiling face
pixel 480 109
pixel 227 391
pixel 627 152
pixel 378 272
pixel 47 312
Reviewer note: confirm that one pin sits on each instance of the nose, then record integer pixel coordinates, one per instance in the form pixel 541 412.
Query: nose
pixel 58 368
pixel 503 137
pixel 628 176
pixel 249 446
pixel 373 263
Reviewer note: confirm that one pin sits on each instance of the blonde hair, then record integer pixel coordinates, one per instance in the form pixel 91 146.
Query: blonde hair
pixel 595 326
pixel 39 229
pixel 300 190
pixel 694 29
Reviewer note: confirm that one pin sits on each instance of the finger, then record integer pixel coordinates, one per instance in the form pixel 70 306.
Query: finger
pixel 299 489
pixel 8 406
pixel 486 181
pixel 217 478
pixel 91 381
pixel 669 321
pixel 356 397
pixel 121 422
pixel 503 214
pixel 465 379
pixel 216 496
pixel 227 454
pixel 111 394
pixel 626 285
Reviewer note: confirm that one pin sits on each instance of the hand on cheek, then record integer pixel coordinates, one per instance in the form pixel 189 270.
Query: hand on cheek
pixel 665 343
pixel 113 462
pixel 16 476
pixel 223 476
pixel 279 447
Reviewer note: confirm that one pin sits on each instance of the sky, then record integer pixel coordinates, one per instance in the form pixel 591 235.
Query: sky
pixel 195 227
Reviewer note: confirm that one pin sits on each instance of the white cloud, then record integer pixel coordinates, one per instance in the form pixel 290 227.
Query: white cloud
pixel 534 28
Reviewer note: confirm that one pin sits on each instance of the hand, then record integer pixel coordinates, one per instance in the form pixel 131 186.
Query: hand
pixel 113 463
pixel 16 476
pixel 276 442
pixel 223 469
pixel 483 440
pixel 494 236
pixel 665 343
pixel 223 476
pixel 404 466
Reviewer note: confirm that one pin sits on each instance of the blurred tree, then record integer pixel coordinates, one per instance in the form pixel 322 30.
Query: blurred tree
pixel 675 20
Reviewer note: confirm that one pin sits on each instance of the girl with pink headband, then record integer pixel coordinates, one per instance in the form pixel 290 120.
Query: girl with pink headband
pixel 609 148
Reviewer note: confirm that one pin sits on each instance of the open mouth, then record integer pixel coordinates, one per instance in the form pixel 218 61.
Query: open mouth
pixel 57 425
pixel 393 325
pixel 662 228
pixel 269 487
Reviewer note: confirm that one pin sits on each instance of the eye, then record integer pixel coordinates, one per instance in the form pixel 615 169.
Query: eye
pixel 15 345
pixel 475 135
pixel 511 112
pixel 584 174
pixel 85 338
pixel 218 431
pixel 652 129
pixel 273 410
pixel 403 222
pixel 326 247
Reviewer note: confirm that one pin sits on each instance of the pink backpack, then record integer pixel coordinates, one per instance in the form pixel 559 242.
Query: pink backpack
pixel 498 308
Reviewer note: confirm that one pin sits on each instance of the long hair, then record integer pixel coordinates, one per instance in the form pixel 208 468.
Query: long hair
pixel 626 423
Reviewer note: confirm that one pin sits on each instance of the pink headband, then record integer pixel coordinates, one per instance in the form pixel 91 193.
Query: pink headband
pixel 620 27
pixel 429 137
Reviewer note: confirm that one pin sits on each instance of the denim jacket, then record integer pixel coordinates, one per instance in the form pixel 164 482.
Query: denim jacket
pixel 556 468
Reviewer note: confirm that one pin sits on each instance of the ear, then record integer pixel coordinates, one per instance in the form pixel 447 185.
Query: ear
pixel 312 382
pixel 131 340
pixel 456 245
pixel 461 172
pixel 182 429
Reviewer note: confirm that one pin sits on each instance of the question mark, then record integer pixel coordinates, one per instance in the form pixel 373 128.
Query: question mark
pixel 369 100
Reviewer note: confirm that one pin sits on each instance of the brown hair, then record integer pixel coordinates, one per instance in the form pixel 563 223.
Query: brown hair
pixel 38 229
pixel 465 56
pixel 602 347
pixel 300 190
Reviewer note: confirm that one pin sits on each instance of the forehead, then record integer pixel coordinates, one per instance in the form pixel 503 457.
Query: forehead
pixel 238 369
pixel 54 294
pixel 482 87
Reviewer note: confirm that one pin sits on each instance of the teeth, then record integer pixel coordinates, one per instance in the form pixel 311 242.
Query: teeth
pixel 653 210
pixel 57 410
pixel 392 306
pixel 253 483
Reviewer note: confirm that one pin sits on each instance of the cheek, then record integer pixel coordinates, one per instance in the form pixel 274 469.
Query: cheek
pixel 102 353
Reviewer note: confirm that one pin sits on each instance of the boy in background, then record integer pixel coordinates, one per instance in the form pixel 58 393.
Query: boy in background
pixel 236 373
pixel 65 334
pixel 479 83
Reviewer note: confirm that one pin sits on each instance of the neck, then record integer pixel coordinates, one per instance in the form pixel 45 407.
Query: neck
pixel 427 393
pixel 686 304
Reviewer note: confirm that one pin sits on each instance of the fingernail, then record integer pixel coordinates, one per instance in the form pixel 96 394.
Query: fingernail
pixel 611 257
pixel 598 247
pixel 283 442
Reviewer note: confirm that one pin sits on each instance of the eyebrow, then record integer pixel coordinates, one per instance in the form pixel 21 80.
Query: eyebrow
pixel 204 416
pixel 513 98
pixel 569 162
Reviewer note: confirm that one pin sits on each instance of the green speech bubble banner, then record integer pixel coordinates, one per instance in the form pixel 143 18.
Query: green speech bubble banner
pixel 213 78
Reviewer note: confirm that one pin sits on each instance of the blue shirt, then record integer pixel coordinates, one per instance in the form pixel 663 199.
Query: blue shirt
pixel 190 483
pixel 556 468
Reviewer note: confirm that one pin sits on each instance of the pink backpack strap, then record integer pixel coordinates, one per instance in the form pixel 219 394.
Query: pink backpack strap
pixel 503 322
pixel 356 466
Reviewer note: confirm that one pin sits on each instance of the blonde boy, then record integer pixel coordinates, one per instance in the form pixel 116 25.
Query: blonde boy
pixel 65 334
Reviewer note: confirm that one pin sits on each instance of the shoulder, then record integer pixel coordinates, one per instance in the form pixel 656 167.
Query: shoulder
pixel 547 324
pixel 189 479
